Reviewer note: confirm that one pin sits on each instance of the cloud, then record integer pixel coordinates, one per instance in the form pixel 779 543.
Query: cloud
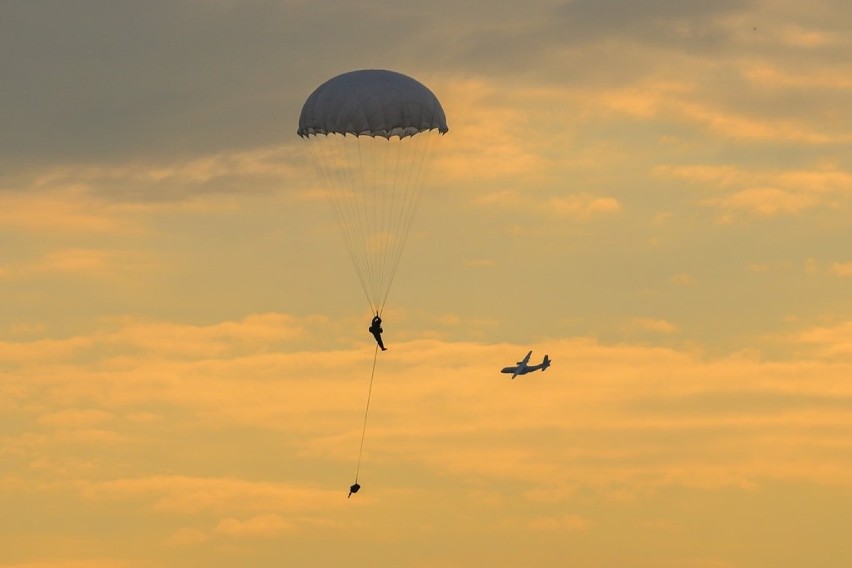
pixel 140 81
pixel 841 268
pixel 99 196
pixel 262 526
pixel 615 412
pixel 687 100
pixel 43 349
pixel 483 142
pixel 186 495
pixel 67 262
pixel 683 279
pixel 582 206
pixel 652 325
pixel 240 442
pixel 828 341
pixel 551 41
pixel 765 201
pixel 187 536
pixel 731 124
pixel 656 20
pixel 776 77
pixel 561 523
pixel 201 341
pixel 766 192
pixel 73 563
pixel 74 418
pixel 469 427
pixel 67 210
pixel 798 36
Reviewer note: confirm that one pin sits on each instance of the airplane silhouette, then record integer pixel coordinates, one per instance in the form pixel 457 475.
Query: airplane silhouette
pixel 524 367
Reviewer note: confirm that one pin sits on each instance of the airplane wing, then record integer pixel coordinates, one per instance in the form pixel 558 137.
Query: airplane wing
pixel 520 369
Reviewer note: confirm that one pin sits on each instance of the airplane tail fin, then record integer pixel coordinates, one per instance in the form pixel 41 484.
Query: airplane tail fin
pixel 545 364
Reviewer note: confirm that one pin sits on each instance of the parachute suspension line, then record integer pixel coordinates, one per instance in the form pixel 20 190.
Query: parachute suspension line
pixel 389 195
pixel 413 190
pixel 374 189
pixel 359 225
pixel 366 412
pixel 396 241
pixel 367 222
pixel 335 171
pixel 364 219
pixel 383 237
pixel 369 195
pixel 341 201
pixel 400 200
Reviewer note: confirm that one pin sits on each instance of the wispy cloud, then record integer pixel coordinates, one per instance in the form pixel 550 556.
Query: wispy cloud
pixel 834 340
pixel 580 206
pixel 592 396
pixel 767 192
pixel 70 262
pixel 260 526
pixel 68 210
pixel 190 495
pixel 841 268
pixel 73 563
pixel 483 142
pixel 653 325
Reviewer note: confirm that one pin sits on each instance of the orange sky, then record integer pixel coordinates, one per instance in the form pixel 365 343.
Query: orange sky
pixel 655 194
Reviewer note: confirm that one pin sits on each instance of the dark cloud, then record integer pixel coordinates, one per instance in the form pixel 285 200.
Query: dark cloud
pixel 98 80
pixel 600 17
pixel 591 42
pixel 106 81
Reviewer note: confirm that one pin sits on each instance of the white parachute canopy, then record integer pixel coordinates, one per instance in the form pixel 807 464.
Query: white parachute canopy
pixel 370 133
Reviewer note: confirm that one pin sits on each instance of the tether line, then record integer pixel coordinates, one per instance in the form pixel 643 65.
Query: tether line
pixel 366 411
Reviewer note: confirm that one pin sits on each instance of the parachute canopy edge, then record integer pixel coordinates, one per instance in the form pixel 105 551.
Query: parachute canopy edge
pixel 371 102
pixel 401 132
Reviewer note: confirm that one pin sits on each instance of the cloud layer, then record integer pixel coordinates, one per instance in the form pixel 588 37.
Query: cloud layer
pixel 220 434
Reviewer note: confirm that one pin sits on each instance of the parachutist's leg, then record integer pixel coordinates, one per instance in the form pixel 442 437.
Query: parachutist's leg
pixel 378 337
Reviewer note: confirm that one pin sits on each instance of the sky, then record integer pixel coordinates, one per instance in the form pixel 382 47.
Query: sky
pixel 657 194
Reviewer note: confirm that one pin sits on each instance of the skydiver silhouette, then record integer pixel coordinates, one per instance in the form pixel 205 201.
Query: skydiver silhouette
pixel 376 330
pixel 353 489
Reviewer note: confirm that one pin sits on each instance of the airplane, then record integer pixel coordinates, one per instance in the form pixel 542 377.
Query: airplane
pixel 524 367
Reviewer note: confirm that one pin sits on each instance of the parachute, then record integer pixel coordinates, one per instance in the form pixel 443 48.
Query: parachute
pixel 370 133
